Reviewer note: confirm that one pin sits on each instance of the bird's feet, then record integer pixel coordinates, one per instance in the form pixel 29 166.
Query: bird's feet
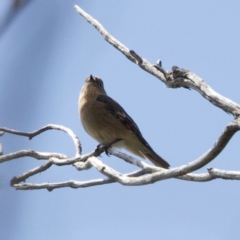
pixel 104 148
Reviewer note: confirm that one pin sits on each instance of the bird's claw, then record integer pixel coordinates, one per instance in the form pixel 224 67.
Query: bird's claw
pixel 99 149
pixel 104 148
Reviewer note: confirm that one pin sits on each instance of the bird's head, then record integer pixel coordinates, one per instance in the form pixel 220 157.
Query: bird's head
pixel 93 85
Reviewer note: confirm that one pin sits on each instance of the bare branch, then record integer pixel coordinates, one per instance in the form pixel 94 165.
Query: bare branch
pixel 175 172
pixel 49 127
pixel 85 162
pixel 30 173
pixel 31 153
pixel 133 161
pixel 130 54
pixel 52 159
pixel 197 177
pixel 185 78
pixel 48 164
pixel 201 177
pixel 177 78
pixel 72 184
pixel 231 175
pixel 214 173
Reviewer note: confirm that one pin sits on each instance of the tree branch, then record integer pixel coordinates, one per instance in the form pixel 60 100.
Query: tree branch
pixel 85 162
pixel 130 54
pixel 212 153
pixel 217 173
pixel 31 153
pixel 71 183
pixel 185 78
pixel 175 79
pixel 31 135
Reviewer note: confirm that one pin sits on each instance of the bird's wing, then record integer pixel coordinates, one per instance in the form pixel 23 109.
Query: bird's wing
pixel 117 111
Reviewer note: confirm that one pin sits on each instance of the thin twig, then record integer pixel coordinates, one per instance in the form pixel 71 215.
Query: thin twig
pixel 31 153
pixel 71 183
pixel 130 54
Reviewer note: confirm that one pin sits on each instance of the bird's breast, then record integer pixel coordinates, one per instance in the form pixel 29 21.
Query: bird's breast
pixel 101 124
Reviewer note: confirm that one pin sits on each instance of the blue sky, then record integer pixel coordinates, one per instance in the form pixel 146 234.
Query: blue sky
pixel 45 56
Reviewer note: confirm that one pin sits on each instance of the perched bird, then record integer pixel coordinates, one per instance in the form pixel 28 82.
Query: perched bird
pixel 106 121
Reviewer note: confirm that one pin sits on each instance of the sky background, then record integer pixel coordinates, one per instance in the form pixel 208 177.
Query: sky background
pixel 45 55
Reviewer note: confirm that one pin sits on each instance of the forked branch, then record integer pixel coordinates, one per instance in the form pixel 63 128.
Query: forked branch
pixel 175 79
pixel 146 175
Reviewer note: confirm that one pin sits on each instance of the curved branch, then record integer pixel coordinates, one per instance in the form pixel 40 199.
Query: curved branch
pixel 59 162
pixel 177 78
pixel 130 54
pixel 85 162
pixel 200 177
pixel 71 183
pixel 185 78
pixel 80 162
pixel 31 135
pixel 229 131
pixel 30 173
pixel 213 174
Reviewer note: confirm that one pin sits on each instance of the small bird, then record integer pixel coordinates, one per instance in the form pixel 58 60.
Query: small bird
pixel 106 121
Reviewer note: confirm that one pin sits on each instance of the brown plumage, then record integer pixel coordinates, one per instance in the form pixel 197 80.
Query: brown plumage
pixel 105 120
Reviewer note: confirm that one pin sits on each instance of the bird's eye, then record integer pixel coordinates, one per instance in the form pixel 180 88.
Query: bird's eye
pixel 100 83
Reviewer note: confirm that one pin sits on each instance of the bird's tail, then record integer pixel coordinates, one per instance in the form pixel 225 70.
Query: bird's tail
pixel 141 148
pixel 156 159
